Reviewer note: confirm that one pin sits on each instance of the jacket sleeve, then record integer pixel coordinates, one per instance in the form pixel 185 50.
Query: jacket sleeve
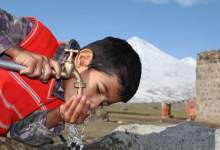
pixel 12 30
pixel 32 129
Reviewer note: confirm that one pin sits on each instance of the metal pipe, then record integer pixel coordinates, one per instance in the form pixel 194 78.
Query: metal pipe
pixel 9 65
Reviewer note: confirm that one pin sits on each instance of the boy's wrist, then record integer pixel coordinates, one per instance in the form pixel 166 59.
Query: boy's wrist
pixel 59 114
pixel 13 51
pixel 54 118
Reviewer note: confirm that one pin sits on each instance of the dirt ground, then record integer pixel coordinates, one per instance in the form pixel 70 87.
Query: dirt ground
pixel 120 114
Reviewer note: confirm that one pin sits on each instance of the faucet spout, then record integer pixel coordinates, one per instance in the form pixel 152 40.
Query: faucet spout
pixel 69 70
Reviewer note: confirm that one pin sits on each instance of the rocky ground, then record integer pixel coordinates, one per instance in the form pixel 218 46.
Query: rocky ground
pixel 127 129
pixel 183 136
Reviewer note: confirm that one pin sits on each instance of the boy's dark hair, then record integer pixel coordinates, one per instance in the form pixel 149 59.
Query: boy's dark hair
pixel 116 56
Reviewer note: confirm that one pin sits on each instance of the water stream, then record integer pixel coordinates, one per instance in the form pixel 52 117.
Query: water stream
pixel 76 134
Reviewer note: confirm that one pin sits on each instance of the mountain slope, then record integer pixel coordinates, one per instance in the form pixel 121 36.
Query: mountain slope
pixel 164 77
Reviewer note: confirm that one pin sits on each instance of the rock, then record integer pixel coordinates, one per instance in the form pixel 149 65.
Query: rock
pixel 11 144
pixel 100 114
pixel 119 122
pixel 185 136
pixel 142 129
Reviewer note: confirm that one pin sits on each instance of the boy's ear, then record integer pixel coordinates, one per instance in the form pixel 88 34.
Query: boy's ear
pixel 83 59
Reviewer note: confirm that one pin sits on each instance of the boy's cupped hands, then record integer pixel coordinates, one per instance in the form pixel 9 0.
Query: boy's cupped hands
pixel 75 109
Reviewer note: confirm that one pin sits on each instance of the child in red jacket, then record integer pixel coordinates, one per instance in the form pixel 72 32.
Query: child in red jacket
pixel 35 110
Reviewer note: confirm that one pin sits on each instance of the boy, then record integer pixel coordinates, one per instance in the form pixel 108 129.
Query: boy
pixel 34 110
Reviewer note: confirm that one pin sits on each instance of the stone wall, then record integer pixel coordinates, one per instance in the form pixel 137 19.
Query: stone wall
pixel 208 86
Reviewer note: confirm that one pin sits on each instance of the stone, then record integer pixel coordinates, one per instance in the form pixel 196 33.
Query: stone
pixel 11 144
pixel 185 136
pixel 207 86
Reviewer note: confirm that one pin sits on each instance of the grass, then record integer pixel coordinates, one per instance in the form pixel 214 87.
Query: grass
pixel 151 109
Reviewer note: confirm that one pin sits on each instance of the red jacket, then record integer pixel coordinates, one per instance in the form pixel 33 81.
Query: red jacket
pixel 20 95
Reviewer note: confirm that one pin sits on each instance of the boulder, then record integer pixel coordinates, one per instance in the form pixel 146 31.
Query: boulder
pixel 184 136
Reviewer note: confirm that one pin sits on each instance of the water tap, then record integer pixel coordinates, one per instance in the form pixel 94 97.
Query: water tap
pixel 69 70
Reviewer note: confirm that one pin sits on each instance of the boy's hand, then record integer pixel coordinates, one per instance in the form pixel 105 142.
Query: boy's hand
pixel 75 109
pixel 37 66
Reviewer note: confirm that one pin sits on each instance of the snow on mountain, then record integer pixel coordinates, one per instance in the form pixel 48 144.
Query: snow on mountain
pixel 164 77
pixel 189 61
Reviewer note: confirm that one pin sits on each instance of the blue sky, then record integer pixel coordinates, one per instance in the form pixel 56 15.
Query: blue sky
pixel 179 27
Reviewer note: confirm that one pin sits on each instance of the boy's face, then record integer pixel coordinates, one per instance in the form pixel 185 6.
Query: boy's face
pixel 101 88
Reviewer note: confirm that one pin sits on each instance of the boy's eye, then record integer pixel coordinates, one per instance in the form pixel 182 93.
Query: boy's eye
pixel 98 90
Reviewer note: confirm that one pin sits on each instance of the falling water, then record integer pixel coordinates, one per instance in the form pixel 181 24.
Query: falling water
pixel 76 135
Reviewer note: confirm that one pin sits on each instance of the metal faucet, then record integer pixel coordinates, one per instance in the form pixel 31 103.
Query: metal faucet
pixel 69 71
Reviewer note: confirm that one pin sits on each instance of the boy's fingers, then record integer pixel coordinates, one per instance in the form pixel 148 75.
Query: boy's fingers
pixel 35 63
pixel 85 112
pixel 37 70
pixel 56 66
pixel 64 110
pixel 47 72
pixel 29 69
pixel 66 105
pixel 79 110
pixel 74 97
pixel 86 107
pixel 61 111
pixel 71 109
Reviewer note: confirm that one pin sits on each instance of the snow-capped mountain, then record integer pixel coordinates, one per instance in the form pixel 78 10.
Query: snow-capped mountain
pixel 164 77
pixel 189 61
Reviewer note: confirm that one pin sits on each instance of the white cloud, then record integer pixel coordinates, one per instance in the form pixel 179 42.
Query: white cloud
pixel 181 2
pixel 158 1
pixel 188 2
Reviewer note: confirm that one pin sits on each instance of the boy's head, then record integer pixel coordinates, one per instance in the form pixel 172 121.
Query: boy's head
pixel 112 70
